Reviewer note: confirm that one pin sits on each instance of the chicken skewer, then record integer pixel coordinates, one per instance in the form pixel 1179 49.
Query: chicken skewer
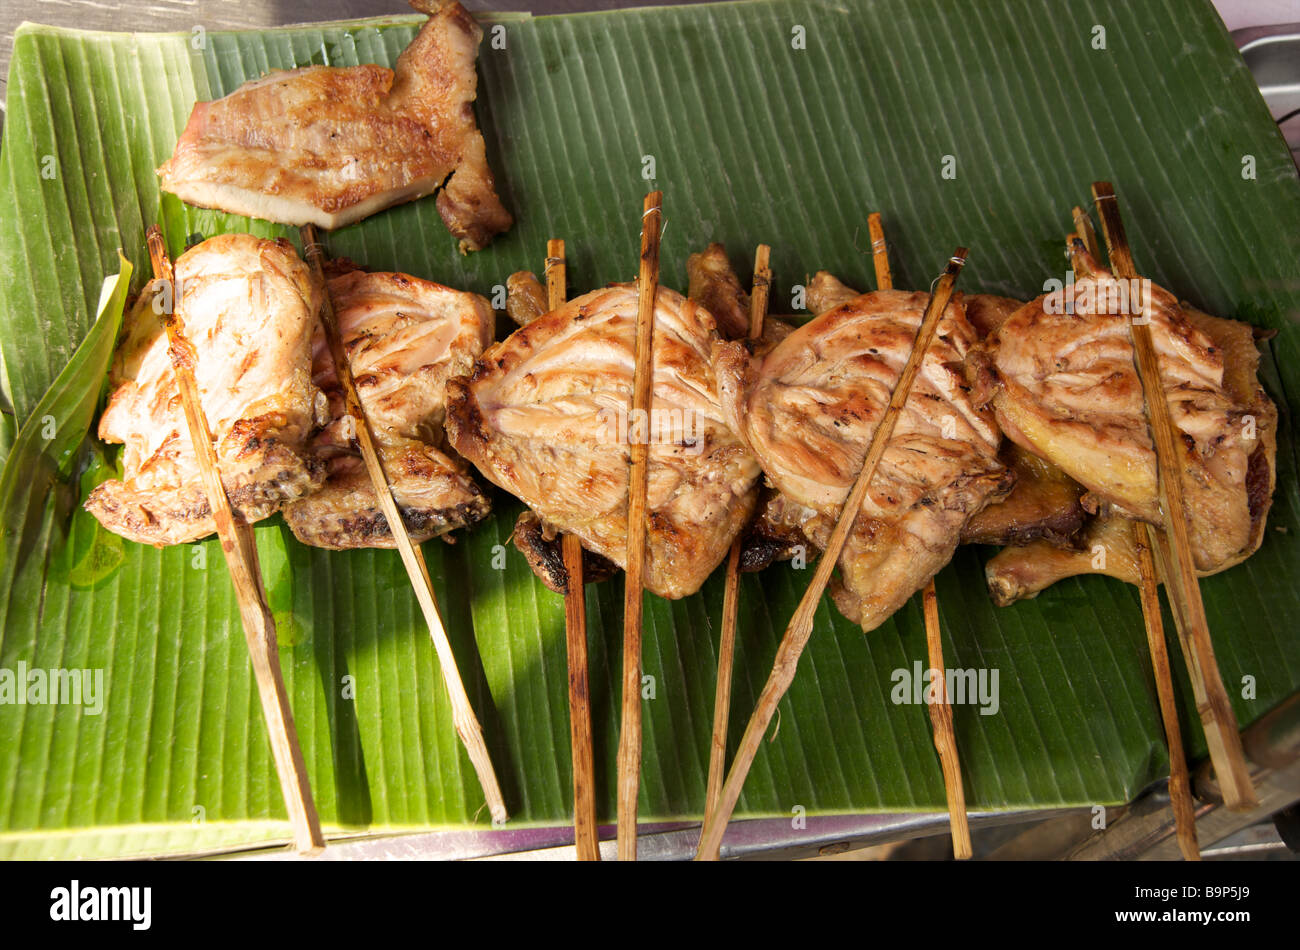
pixel 239 548
pixel 1172 547
pixel 1180 787
pixel 945 738
pixel 629 739
pixel 731 594
pixel 585 839
pixel 466 723
pixel 800 627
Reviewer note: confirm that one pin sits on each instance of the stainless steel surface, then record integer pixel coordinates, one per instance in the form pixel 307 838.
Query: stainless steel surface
pixel 763 839
pixel 1273 55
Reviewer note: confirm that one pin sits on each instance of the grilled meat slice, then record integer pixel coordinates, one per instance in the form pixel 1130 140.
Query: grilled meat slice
pixel 808 409
pixel 1106 545
pixel 329 145
pixel 545 416
pixel 249 307
pixel 404 338
pixel 1068 391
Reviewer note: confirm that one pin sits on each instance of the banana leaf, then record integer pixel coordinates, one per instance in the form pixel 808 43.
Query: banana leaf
pixel 780 121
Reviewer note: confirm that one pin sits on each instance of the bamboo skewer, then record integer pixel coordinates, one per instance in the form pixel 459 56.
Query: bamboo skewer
pixel 585 837
pixel 1083 228
pixel 1180 782
pixel 731 594
pixel 1180 786
pixel 1172 547
pixel 629 740
pixel 800 627
pixel 239 548
pixel 466 724
pixel 941 722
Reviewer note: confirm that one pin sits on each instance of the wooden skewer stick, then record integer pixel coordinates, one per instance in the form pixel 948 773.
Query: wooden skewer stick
pixel 1180 786
pixel 800 628
pixel 463 718
pixel 239 548
pixel 731 594
pixel 1083 228
pixel 585 836
pixel 1180 782
pixel 629 739
pixel 1172 545
pixel 941 722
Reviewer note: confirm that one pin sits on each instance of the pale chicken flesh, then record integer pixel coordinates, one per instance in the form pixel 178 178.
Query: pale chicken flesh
pixel 330 145
pixel 1066 389
pixel 249 307
pixel 545 415
pixel 404 338
pixel 808 409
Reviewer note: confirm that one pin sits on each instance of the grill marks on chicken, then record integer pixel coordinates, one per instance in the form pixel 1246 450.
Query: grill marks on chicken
pixel 404 338
pixel 545 416
pixel 1020 572
pixel 249 307
pixel 330 145
pixel 1067 390
pixel 808 410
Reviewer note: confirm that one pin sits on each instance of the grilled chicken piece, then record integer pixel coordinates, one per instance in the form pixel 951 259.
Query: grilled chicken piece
pixel 1066 389
pixel 715 287
pixel 826 291
pixel 777 533
pixel 808 409
pixel 525 297
pixel 1016 573
pixel 1044 504
pixel 404 337
pixel 987 312
pixel 329 146
pixel 249 307
pixel 1022 571
pixel 545 416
